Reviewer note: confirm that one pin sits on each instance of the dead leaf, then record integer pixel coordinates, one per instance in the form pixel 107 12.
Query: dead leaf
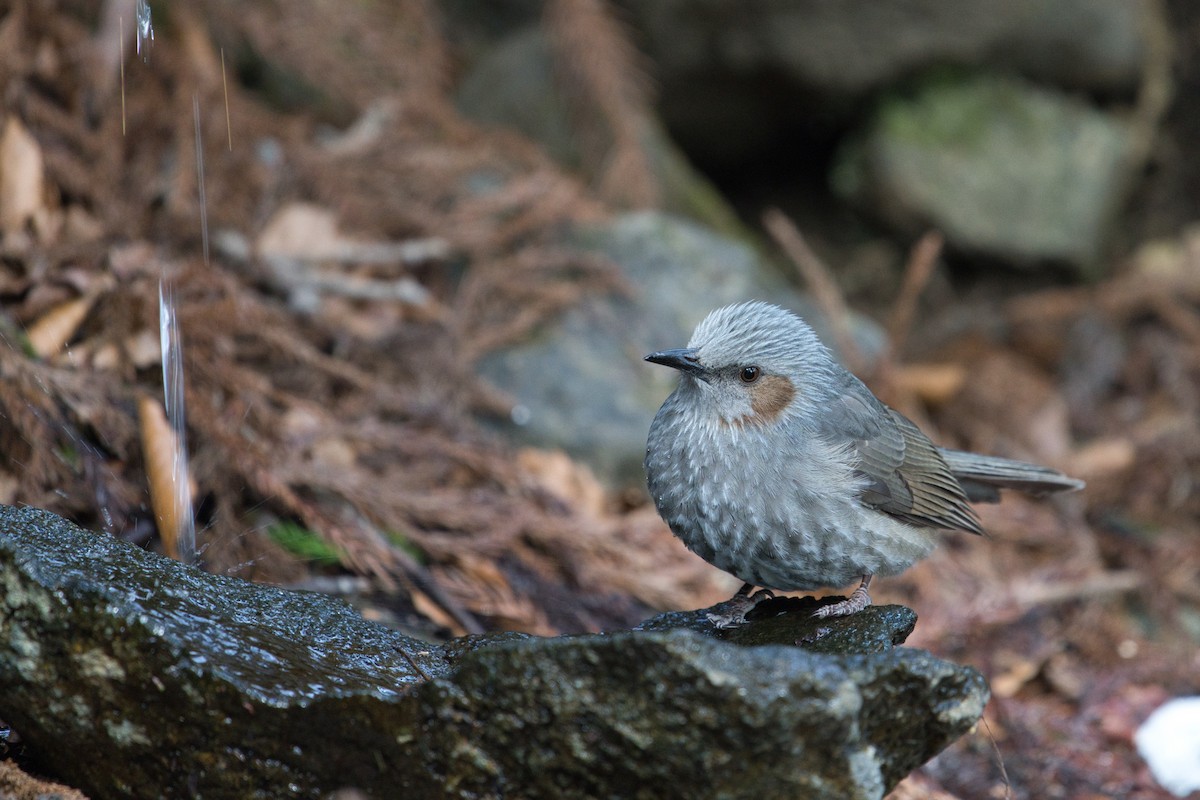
pixel 160 452
pixel 334 452
pixel 571 482
pixel 432 611
pixel 308 233
pixel 21 177
pixel 933 383
pixel 1019 673
pixel 144 348
pixel 917 787
pixel 1112 455
pixel 9 485
pixel 301 231
pixel 50 334
pixel 106 356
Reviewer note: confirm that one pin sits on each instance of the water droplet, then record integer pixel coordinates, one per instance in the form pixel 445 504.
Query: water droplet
pixel 145 27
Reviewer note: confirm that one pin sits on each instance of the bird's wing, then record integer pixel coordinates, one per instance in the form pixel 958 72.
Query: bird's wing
pixel 906 477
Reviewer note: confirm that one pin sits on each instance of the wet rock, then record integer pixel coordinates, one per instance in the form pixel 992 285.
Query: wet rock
pixel 127 674
pixel 789 620
pixel 130 674
pixel 1004 168
pixel 588 364
pixel 670 714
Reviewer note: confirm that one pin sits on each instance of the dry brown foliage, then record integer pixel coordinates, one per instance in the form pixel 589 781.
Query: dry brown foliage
pixel 376 439
pixel 607 89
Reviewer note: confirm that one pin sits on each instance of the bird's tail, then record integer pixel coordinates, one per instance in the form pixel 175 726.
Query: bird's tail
pixel 982 477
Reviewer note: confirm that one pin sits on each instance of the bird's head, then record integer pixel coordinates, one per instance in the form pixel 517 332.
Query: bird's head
pixel 751 365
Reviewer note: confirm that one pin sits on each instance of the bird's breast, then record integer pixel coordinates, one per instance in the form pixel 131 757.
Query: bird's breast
pixel 777 507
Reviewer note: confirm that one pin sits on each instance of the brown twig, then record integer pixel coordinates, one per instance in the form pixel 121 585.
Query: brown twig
pixel 1038 593
pixel 412 662
pixel 820 281
pixel 921 262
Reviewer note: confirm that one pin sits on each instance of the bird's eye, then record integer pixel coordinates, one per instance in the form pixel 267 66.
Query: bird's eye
pixel 749 374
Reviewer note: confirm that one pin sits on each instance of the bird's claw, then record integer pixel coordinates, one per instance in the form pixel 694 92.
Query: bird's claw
pixel 856 602
pixel 733 612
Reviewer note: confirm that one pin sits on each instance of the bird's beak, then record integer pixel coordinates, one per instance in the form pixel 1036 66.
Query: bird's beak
pixel 684 359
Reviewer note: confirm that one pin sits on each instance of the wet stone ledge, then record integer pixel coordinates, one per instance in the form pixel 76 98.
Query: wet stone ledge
pixel 128 674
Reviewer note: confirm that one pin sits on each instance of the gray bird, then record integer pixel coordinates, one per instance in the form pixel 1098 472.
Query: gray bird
pixel 772 462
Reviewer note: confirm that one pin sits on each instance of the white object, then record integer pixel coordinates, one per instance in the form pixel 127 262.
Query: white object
pixel 1169 741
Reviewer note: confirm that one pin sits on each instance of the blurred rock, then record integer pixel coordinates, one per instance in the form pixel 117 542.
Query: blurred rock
pixel 1003 168
pixel 734 73
pixel 582 385
pixel 763 94
pixel 128 674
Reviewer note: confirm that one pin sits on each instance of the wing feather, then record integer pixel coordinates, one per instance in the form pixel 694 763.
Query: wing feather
pixel 905 474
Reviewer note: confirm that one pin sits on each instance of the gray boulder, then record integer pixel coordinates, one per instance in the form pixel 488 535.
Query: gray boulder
pixel 127 674
pixel 1004 168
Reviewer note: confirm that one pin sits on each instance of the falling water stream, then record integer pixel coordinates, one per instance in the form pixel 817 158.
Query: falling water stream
pixel 170 338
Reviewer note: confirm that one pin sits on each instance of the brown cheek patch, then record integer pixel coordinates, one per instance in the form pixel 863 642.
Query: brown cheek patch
pixel 770 396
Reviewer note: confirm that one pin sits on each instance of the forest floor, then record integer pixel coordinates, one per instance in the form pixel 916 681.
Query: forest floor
pixel 337 278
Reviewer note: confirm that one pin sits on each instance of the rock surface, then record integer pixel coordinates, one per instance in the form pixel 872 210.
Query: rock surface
pixel 1002 167
pixel 131 675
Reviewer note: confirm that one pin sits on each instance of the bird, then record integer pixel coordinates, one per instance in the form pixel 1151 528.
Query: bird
pixel 774 463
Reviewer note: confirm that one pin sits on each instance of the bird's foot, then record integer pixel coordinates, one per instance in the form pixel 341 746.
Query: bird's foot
pixel 856 602
pixel 732 613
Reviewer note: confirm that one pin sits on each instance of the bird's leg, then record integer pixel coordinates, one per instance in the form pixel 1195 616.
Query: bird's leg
pixel 733 611
pixel 856 602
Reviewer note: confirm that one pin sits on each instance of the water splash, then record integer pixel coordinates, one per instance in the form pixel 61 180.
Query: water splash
pixel 145 28
pixel 172 363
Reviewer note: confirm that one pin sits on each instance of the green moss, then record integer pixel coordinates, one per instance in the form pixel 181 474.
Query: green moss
pixel 950 108
pixel 306 544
